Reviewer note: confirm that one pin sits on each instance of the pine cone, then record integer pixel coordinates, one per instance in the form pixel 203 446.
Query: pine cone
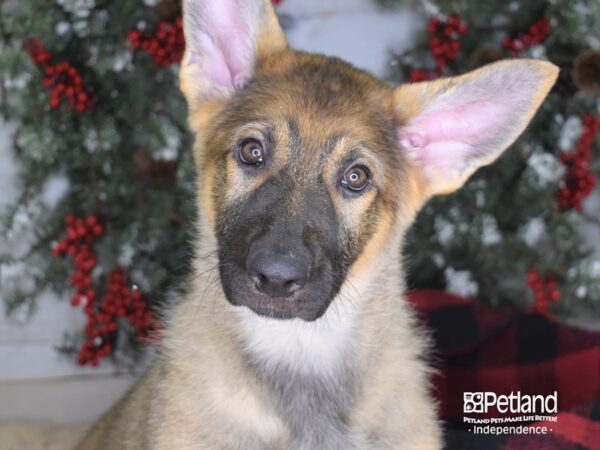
pixel 168 9
pixel 484 55
pixel 159 174
pixel 586 72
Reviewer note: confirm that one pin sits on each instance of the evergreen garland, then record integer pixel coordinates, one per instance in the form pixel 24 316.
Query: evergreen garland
pixel 106 172
pixel 513 235
pixel 122 156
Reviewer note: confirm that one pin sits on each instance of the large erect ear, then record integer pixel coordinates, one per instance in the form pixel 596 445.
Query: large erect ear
pixel 224 40
pixel 453 126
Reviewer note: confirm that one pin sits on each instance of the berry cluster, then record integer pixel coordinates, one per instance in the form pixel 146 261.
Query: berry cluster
pixel 579 180
pixel 119 300
pixel 417 75
pixel 545 290
pixel 165 46
pixel 65 82
pixel 62 79
pixel 536 34
pixel 81 235
pixel 444 42
pixel 444 45
pixel 37 52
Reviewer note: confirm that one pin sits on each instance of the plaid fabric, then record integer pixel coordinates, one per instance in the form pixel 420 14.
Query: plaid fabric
pixel 485 349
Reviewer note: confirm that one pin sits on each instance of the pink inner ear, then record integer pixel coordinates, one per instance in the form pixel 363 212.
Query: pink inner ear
pixel 227 44
pixel 214 64
pixel 449 136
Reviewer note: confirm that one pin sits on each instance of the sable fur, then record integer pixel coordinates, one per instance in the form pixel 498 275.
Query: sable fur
pixel 364 387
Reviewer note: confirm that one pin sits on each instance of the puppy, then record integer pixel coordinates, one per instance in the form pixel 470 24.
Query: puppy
pixel 294 333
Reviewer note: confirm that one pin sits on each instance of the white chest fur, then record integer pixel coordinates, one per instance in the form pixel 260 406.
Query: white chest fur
pixel 304 347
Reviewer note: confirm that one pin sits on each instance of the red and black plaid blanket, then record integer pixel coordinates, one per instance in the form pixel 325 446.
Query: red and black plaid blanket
pixel 479 348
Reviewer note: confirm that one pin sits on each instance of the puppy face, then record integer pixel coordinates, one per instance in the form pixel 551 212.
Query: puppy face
pixel 304 172
pixel 308 165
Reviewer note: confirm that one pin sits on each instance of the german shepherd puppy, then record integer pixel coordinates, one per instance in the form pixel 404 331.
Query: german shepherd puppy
pixel 294 333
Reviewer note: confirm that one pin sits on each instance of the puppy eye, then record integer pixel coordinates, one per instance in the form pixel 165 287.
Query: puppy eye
pixel 251 153
pixel 356 178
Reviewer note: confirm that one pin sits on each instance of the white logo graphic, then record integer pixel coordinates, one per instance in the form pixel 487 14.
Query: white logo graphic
pixel 524 412
pixel 515 402
pixel 473 402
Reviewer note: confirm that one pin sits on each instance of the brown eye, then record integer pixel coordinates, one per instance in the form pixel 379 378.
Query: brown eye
pixel 356 178
pixel 251 153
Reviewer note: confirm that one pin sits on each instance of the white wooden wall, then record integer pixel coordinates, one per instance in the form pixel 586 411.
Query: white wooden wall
pixel 35 382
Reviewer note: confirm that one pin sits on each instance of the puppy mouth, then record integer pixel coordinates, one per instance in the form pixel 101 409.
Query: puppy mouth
pixel 308 304
pixel 276 308
pixel 284 308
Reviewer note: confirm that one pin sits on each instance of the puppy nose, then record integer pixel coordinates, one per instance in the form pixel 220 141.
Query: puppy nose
pixel 277 274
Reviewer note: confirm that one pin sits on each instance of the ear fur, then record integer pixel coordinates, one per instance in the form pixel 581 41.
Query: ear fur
pixel 453 126
pixel 224 41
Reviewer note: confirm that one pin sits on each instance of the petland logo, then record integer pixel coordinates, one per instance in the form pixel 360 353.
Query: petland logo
pixel 525 414
pixel 515 403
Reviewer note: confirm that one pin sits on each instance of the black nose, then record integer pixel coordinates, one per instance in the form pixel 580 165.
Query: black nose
pixel 277 274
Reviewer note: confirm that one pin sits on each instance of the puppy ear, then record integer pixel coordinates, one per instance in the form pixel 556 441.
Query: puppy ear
pixel 453 126
pixel 224 40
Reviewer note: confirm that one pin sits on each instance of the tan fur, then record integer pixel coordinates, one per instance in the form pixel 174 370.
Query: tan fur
pixel 201 393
